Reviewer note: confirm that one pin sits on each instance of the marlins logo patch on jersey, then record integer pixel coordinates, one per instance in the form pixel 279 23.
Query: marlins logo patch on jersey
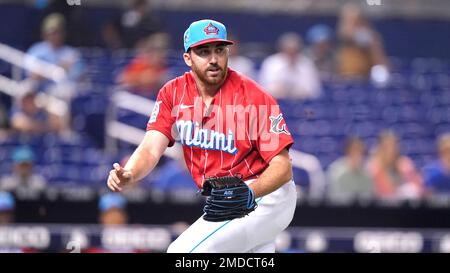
pixel 275 125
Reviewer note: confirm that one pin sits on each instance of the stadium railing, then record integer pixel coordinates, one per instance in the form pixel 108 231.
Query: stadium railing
pixel 16 87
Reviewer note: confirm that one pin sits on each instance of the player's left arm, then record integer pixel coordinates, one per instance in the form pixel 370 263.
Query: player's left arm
pixel 278 173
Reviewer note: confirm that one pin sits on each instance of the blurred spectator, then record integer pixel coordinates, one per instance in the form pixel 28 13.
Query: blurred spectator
pixel 111 36
pixel 112 213
pixel 138 23
pixel 146 73
pixel 395 175
pixel 347 178
pixel 29 117
pixel 321 49
pixel 23 177
pixel 113 209
pixel 437 174
pixel 7 208
pixel 174 176
pixel 238 62
pixel 308 167
pixel 53 49
pixel 290 73
pixel 360 52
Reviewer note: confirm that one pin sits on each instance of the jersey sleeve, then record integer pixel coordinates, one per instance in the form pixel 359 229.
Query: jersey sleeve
pixel 273 134
pixel 161 118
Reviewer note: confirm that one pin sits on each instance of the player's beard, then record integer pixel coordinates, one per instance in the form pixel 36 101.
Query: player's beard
pixel 212 76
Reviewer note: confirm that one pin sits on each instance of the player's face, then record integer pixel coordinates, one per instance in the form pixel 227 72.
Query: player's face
pixel 209 62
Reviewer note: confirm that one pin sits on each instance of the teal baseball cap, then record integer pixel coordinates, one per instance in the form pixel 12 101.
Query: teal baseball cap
pixel 112 200
pixel 205 31
pixel 23 154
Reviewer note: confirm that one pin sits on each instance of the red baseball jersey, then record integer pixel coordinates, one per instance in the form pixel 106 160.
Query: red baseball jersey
pixel 238 133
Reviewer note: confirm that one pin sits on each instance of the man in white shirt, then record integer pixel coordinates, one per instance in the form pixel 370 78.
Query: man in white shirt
pixel 53 50
pixel 289 73
pixel 239 62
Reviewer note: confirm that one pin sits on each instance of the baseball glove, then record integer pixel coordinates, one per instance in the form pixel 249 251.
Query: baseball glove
pixel 228 198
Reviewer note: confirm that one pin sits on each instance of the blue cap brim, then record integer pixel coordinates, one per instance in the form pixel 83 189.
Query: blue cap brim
pixel 212 40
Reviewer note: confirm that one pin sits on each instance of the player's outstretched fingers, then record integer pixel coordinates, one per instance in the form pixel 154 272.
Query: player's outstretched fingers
pixel 111 186
pixel 114 180
pixel 121 172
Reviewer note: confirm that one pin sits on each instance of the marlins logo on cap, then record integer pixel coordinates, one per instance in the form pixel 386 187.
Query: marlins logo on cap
pixel 205 31
pixel 211 29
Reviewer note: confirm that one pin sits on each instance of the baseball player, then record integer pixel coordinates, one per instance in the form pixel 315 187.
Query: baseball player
pixel 235 144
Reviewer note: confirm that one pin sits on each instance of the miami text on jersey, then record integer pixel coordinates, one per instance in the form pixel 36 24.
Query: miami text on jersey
pixel 192 135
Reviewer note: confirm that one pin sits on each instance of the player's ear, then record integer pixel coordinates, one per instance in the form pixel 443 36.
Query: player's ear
pixel 187 59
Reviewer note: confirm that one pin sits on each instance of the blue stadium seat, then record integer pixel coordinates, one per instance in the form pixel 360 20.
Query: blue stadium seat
pixel 442 128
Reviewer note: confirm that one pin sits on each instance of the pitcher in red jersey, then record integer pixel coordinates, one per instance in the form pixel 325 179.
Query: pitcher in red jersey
pixel 227 126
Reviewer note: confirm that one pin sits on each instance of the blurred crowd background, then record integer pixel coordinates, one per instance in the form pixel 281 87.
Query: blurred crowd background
pixel 364 86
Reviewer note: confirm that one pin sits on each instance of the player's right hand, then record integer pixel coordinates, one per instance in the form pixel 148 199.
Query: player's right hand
pixel 119 178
